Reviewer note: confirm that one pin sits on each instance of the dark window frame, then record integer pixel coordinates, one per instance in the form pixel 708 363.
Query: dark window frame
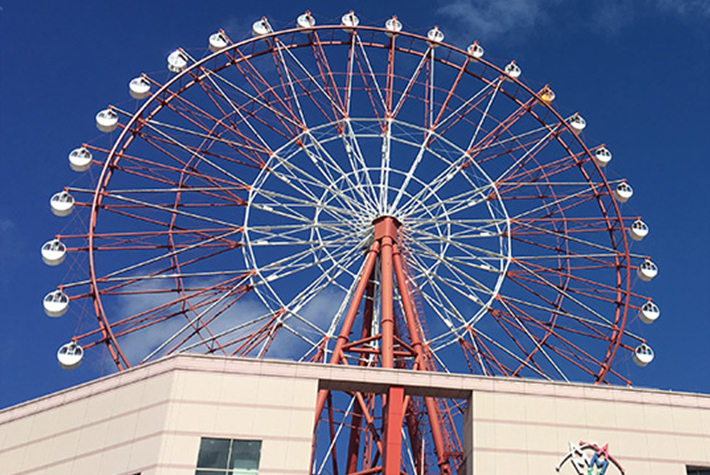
pixel 217 462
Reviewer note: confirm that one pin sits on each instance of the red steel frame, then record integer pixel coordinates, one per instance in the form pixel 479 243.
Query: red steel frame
pixel 384 250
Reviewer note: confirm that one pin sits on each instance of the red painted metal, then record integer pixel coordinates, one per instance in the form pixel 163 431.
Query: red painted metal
pixel 393 431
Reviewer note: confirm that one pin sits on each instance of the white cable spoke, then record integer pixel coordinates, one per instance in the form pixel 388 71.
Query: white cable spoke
pixel 412 79
pixel 562 292
pixel 194 153
pixel 534 341
pixel 290 261
pixel 157 258
pixel 527 153
pixel 436 184
pixel 511 354
pixel 202 135
pixel 385 168
pixel 173 211
pixel 447 260
pixel 601 325
pixel 324 280
pixel 210 76
pixel 369 68
pixel 254 99
pixel 463 247
pixel 550 204
pixel 570 237
pixel 349 77
pixel 484 370
pixel 158 277
pixel 331 162
pixel 305 179
pixel 279 54
pixel 442 299
pixel 460 202
pixel 337 434
pixel 456 285
pixel 197 318
pixel 312 79
pixel 466 104
pixel 412 169
pixel 613 255
pixel 229 331
pixel 273 201
pixel 430 85
pixel 512 138
pixel 484 115
pixel 357 161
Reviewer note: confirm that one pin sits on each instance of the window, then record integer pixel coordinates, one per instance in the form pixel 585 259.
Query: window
pixel 228 457
pixel 698 471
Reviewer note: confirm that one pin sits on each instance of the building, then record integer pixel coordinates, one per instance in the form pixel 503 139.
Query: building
pixel 188 411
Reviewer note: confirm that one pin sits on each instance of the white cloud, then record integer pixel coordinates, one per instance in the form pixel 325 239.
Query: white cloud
pixel 486 19
pixel 690 8
pixel 612 16
pixel 6 225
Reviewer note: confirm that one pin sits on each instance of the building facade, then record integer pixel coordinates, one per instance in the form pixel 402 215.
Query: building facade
pixel 190 414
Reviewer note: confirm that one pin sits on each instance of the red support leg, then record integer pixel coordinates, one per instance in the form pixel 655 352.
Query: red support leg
pixel 387 322
pixel 393 431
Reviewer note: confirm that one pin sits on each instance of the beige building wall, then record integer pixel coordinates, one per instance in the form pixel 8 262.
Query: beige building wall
pixel 527 427
pixel 150 419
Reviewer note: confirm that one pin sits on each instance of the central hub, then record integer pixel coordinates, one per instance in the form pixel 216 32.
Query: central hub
pixel 386 226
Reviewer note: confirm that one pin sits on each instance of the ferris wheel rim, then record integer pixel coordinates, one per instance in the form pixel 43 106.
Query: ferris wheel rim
pixel 123 142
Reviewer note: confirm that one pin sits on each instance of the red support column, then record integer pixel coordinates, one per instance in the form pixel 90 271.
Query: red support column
pixel 387 321
pixel 393 431
pixel 349 319
pixel 431 405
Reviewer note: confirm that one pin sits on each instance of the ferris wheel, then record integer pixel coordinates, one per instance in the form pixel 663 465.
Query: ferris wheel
pixel 351 194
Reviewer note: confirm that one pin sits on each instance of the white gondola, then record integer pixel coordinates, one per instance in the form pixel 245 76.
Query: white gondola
pixel 643 355
pixel 393 26
pixel 623 192
pixel 349 20
pixel 55 303
pixel 649 312
pixel 475 50
pixel 577 123
pixel 638 230
pixel 512 70
pixel 70 355
pixel 647 270
pixel 139 88
pixel 177 61
pixel 435 36
pixel 305 21
pixel 106 120
pixel 80 159
pixel 261 28
pixel 217 42
pixel 54 252
pixel 61 203
pixel 602 156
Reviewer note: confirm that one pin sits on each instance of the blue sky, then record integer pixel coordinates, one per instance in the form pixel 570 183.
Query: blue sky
pixel 637 70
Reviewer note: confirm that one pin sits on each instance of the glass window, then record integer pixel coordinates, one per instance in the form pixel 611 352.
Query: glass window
pixel 228 457
pixel 698 471
pixel 245 456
